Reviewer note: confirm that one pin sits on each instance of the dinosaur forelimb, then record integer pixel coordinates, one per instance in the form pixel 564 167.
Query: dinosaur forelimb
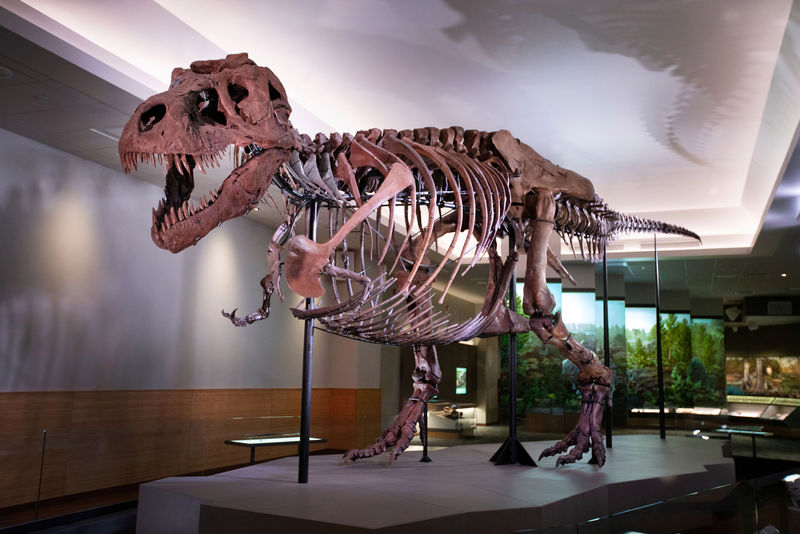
pixel 270 284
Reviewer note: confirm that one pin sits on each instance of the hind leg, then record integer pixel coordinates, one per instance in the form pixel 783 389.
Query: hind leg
pixel 427 376
pixel 594 379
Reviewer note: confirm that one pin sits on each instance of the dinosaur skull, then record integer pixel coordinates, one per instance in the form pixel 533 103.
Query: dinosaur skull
pixel 208 108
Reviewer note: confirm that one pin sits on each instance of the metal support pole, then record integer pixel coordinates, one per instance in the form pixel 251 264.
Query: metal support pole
pixel 41 472
pixel 308 354
pixel 606 345
pixel 512 367
pixel 662 425
pixel 512 451
pixel 423 434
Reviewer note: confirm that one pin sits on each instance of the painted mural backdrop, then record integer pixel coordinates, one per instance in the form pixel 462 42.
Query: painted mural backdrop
pixel 764 376
pixel 692 349
pixel 545 381
pixel 708 345
pixel 693 356
pixel 617 347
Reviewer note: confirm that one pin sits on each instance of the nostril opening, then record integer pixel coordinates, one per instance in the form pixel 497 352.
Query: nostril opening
pixel 151 117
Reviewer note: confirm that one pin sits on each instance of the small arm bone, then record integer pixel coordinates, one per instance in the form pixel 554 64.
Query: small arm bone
pixel 270 283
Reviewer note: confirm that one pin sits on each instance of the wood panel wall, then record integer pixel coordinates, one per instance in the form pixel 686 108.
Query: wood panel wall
pixel 103 439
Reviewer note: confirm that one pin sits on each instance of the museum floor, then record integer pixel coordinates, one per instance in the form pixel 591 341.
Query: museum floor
pixel 769 451
pixel 773 448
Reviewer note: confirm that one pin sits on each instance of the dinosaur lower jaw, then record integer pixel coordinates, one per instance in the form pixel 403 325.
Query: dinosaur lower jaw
pixel 179 222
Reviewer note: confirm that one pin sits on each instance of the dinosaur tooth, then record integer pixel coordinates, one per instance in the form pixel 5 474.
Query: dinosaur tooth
pixel 203 203
pixel 154 216
pixel 172 217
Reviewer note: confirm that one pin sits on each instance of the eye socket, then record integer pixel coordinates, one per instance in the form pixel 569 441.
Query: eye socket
pixel 237 92
pixel 274 94
pixel 151 117
pixel 206 107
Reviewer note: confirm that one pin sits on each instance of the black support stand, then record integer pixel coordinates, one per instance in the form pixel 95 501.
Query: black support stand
pixel 308 353
pixel 662 425
pixel 606 346
pixel 512 451
pixel 41 472
pixel 423 434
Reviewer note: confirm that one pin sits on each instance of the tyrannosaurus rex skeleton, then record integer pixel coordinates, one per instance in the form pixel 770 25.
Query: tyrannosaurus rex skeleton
pixel 439 183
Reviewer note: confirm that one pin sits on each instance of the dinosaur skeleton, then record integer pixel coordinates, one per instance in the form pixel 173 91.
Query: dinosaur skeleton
pixel 400 207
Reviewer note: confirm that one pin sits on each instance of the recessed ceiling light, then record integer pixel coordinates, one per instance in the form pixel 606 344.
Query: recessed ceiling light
pixel 783 275
pixel 6 73
pixel 105 134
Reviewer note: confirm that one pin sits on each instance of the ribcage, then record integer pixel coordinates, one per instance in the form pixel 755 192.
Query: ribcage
pixel 418 236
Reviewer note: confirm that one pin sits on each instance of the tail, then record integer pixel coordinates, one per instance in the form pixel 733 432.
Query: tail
pixel 622 223
pixel 594 225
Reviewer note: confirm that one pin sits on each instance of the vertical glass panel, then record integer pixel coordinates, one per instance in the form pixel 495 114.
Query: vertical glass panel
pixel 708 361
pixel 681 379
pixel 542 384
pixel 618 360
pixel 640 339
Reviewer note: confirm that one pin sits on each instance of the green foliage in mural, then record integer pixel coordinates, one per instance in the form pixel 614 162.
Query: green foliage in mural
pixel 544 380
pixel 692 349
pixel 693 356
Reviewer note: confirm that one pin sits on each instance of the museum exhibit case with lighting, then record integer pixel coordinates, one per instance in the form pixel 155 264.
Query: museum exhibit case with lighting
pixel 123 389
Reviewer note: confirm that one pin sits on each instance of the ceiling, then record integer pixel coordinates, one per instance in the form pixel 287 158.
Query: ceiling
pixel 681 111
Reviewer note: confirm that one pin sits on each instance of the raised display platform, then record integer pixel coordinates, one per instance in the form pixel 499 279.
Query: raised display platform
pixel 459 492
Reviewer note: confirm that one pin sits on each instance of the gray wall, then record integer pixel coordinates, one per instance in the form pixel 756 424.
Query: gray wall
pixel 87 301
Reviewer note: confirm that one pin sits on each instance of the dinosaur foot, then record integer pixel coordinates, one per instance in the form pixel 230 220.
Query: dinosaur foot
pixel 586 434
pixel 401 431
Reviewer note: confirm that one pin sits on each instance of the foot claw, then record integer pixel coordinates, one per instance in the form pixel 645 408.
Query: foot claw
pixel 399 435
pixel 354 454
pixel 586 435
pixel 552 451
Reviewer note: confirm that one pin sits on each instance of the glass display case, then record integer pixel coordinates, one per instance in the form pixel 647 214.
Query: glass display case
pixel 456 417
